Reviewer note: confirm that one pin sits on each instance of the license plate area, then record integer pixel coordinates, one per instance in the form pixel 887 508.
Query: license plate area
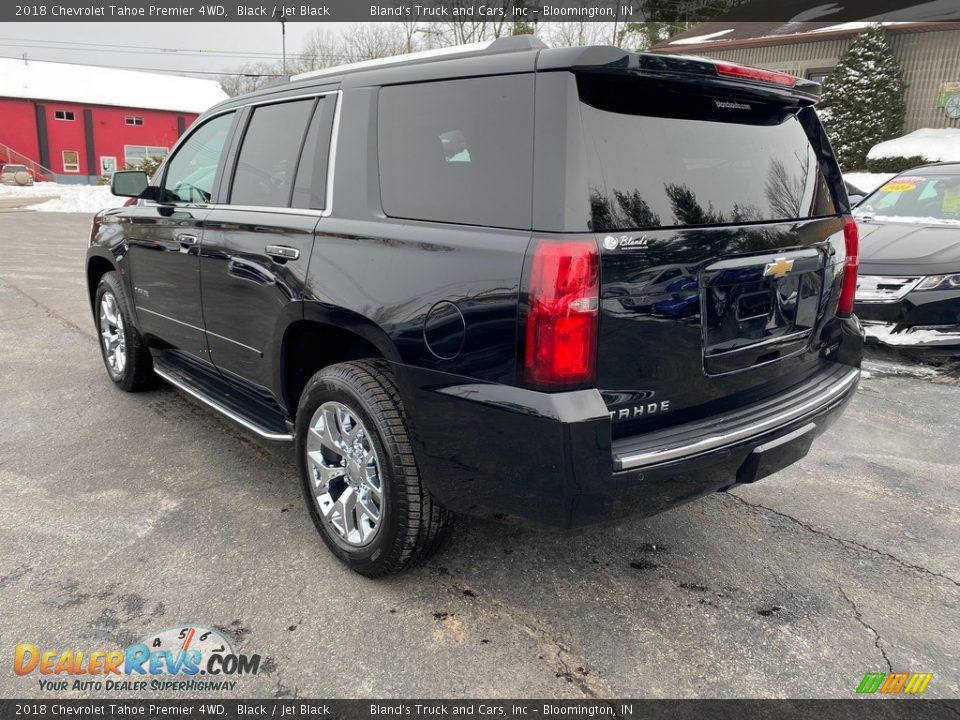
pixel 760 309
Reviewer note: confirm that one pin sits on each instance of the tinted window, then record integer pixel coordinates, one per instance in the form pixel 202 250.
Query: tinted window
pixel 268 156
pixel 738 161
pixel 310 188
pixel 458 151
pixel 192 170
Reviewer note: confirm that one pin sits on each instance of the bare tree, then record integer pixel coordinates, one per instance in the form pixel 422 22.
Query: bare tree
pixel 250 77
pixel 571 34
pixel 368 42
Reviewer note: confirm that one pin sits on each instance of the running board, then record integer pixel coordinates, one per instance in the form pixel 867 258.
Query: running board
pixel 184 380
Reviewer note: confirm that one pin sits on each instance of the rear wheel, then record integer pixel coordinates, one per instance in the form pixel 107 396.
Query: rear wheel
pixel 125 356
pixel 358 474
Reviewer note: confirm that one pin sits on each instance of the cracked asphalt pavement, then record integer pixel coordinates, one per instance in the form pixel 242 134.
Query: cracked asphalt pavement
pixel 126 514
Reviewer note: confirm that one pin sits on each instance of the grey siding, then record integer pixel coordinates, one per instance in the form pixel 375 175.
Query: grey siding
pixel 928 58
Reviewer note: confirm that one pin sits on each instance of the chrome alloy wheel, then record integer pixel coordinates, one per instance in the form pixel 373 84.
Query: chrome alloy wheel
pixel 345 474
pixel 112 333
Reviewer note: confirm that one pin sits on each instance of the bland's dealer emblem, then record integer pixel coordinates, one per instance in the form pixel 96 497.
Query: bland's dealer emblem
pixel 778 268
pixel 612 242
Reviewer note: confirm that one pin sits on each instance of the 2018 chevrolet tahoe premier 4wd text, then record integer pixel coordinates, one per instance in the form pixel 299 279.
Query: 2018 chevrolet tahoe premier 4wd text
pixel 555 284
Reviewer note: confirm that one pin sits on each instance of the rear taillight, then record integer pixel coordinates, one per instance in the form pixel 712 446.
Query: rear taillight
pixel 745 72
pixel 563 292
pixel 848 286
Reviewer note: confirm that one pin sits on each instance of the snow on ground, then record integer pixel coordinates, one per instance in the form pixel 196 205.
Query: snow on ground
pixel 884 334
pixel 936 145
pixel 868 182
pixel 71 198
pixel 882 367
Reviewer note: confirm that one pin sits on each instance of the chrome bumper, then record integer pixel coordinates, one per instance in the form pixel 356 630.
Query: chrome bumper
pixel 720 431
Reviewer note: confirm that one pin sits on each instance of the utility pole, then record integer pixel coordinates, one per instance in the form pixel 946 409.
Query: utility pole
pixel 283 35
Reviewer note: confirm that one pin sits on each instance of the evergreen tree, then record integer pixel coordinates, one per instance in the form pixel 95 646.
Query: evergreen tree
pixel 863 98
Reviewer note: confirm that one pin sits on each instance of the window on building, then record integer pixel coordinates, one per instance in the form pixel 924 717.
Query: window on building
pixel 818 74
pixel 133 120
pixel 444 145
pixel 192 170
pixel 136 154
pixel 268 156
pixel 71 161
pixel 63 115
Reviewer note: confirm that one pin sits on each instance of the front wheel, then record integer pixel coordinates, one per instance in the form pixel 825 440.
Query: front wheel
pixel 358 474
pixel 125 356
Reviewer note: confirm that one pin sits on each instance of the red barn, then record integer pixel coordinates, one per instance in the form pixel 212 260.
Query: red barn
pixel 79 121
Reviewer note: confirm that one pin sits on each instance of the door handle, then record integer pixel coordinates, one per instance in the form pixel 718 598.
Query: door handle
pixel 282 252
pixel 187 240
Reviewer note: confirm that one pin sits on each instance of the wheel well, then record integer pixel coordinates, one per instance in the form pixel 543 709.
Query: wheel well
pixel 310 346
pixel 96 269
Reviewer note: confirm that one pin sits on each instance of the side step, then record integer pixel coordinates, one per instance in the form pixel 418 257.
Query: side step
pixel 210 388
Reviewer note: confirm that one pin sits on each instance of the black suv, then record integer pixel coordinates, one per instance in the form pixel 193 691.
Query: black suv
pixel 553 284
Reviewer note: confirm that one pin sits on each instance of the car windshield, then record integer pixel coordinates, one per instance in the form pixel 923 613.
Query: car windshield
pixel 915 198
pixel 15 168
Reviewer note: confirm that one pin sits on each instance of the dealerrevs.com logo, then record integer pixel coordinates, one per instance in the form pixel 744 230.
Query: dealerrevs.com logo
pixel 188 658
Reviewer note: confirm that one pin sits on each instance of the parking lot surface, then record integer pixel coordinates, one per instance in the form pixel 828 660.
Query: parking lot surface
pixel 122 515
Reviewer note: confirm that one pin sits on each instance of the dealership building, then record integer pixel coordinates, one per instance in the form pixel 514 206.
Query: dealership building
pixel 929 53
pixel 73 123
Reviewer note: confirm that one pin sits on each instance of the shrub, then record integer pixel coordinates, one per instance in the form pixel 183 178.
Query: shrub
pixel 894 164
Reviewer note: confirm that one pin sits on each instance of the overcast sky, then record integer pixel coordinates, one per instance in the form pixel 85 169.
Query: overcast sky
pixel 160 46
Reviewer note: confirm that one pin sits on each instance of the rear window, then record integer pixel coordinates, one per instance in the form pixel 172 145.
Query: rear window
pixel 659 158
pixel 458 151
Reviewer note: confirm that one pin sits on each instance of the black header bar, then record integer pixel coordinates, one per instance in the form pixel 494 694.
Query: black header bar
pixel 213 707
pixel 493 11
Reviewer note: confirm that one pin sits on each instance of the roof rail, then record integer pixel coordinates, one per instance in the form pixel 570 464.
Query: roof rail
pixel 511 43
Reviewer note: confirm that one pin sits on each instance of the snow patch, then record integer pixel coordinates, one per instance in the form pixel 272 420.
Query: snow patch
pixel 69 198
pixel 934 144
pixel 857 25
pixel 701 38
pixel 884 334
pixel 868 182
pixel 90 85
pixel 876 367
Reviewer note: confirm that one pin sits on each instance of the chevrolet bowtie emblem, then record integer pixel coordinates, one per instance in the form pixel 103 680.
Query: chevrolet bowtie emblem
pixel 778 268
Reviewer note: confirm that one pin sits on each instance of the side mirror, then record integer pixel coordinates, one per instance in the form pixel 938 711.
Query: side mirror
pixel 855 199
pixel 129 183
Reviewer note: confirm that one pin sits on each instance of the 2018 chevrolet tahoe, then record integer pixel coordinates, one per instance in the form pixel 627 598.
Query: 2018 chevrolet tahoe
pixel 554 284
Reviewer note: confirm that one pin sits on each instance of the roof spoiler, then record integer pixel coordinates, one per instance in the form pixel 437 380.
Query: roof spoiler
pixel 606 58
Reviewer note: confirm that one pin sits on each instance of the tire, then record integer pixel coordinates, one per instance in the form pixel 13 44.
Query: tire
pixel 361 397
pixel 115 328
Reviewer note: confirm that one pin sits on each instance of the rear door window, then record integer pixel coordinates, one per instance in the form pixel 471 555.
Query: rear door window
pixel 310 186
pixel 267 162
pixel 661 159
pixel 458 151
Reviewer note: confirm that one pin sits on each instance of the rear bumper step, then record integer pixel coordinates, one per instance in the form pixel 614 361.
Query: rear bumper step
pixel 691 439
